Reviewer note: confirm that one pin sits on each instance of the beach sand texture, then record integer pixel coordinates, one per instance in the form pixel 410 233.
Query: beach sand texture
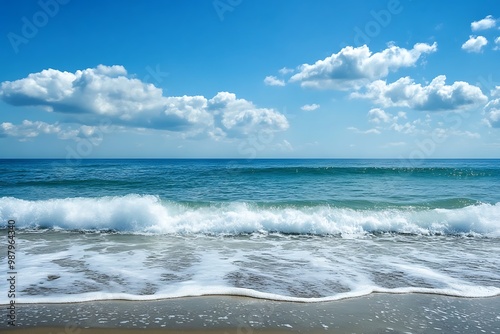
pixel 376 313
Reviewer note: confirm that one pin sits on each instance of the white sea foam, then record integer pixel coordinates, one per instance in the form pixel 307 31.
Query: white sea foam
pixel 100 266
pixel 197 291
pixel 149 214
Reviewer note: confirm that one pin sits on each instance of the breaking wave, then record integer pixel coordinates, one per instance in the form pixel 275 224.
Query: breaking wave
pixel 149 214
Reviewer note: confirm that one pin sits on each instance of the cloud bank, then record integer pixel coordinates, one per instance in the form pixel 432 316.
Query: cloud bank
pixel 435 96
pixel 28 129
pixel 351 67
pixel 107 92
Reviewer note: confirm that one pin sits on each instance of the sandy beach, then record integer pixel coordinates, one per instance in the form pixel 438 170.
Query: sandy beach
pixel 376 313
pixel 45 330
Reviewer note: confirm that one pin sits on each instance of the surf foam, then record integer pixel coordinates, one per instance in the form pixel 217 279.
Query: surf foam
pixel 149 214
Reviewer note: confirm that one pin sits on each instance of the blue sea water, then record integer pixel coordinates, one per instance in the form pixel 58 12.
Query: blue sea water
pixel 299 230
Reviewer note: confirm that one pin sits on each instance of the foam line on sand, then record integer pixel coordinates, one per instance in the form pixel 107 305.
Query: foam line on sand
pixel 376 313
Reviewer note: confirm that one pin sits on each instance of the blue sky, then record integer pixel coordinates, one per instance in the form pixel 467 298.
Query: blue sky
pixel 250 79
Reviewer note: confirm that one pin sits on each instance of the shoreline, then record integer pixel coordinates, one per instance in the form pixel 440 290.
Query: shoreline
pixel 254 296
pixel 374 313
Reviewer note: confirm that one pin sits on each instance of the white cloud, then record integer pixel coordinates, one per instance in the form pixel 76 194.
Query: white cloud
pixel 367 132
pixel 386 120
pixel 310 107
pixel 372 131
pixel 238 116
pixel 396 144
pixel 285 146
pixel 475 44
pixel 408 128
pixel 492 110
pixel 495 92
pixel 285 71
pixel 497 43
pixel 402 114
pixel 377 115
pixel 486 23
pixel 106 92
pixel 28 129
pixel 271 80
pixel 433 97
pixel 354 67
pixel 444 133
pixel 469 134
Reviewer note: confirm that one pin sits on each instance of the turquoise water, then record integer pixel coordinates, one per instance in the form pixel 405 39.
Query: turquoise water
pixel 344 183
pixel 304 230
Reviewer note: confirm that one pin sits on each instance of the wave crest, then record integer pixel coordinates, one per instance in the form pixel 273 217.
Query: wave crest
pixel 149 214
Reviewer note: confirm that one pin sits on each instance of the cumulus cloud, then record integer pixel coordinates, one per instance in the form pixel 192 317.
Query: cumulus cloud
pixel 310 107
pixel 28 129
pixel 492 110
pixel 497 43
pixel 354 67
pixel 486 23
pixel 107 92
pixel 434 97
pixel 475 44
pixel 271 80
pixel 377 115
pixel 238 116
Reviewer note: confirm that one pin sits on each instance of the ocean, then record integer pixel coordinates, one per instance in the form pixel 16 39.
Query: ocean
pixel 285 230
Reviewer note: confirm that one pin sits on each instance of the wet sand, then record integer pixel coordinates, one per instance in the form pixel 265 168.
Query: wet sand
pixel 376 313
